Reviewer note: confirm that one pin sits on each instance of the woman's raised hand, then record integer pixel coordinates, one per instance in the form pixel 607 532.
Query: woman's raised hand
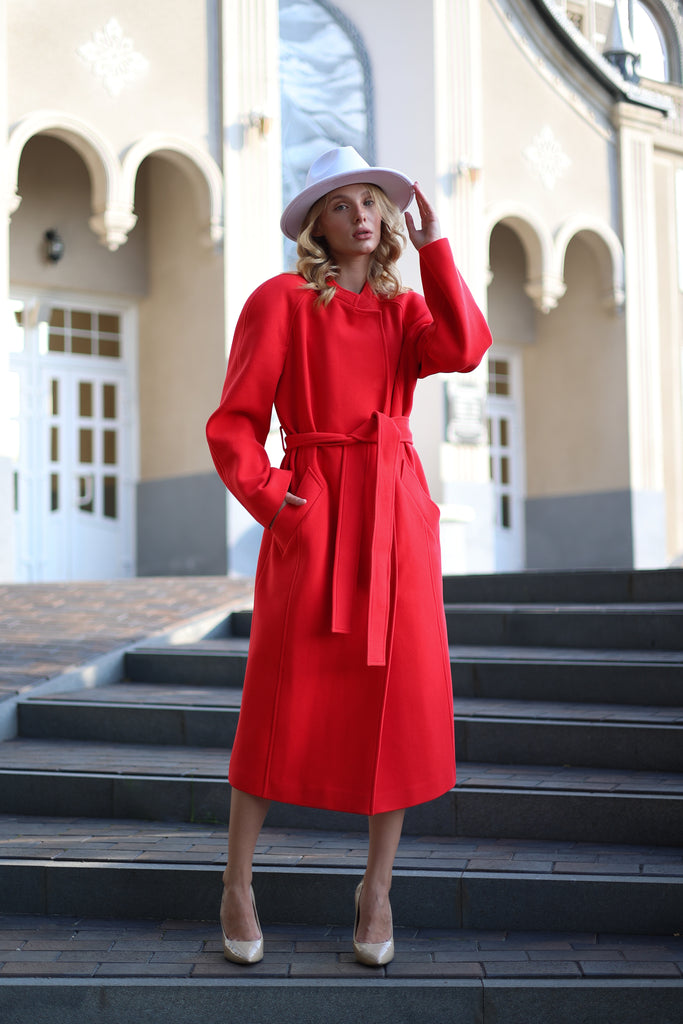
pixel 430 229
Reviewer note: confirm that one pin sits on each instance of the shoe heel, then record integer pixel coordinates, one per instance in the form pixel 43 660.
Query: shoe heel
pixel 248 951
pixel 373 954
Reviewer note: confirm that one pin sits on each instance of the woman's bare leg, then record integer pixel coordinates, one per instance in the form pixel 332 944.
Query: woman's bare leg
pixel 374 924
pixel 247 814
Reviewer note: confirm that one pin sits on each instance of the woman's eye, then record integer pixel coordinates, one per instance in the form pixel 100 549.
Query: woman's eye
pixel 369 202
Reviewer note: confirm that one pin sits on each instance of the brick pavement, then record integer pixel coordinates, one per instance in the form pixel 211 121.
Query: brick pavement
pixel 73 947
pixel 142 842
pixel 47 628
pixel 211 763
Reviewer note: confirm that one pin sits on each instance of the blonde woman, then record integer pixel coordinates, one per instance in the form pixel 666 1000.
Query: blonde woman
pixel 347 701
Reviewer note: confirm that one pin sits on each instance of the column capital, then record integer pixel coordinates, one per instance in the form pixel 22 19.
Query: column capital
pixel 631 115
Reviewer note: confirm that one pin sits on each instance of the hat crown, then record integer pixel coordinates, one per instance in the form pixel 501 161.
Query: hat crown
pixel 343 160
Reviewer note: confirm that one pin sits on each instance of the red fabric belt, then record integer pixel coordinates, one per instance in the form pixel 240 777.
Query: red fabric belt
pixel 388 433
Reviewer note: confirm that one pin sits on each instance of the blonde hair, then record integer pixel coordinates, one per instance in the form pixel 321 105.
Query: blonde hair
pixel 317 266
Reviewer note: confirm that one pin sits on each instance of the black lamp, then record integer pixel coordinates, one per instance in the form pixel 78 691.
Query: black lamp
pixel 54 245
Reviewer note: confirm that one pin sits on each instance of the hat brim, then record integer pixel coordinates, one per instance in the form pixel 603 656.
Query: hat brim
pixel 397 187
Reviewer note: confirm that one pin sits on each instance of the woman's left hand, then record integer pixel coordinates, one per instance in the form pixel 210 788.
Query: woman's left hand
pixel 430 229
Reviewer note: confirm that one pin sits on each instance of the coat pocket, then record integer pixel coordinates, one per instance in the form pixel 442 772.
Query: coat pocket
pixel 427 508
pixel 289 519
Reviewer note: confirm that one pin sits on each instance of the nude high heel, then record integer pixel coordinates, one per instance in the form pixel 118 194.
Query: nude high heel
pixel 374 954
pixel 241 951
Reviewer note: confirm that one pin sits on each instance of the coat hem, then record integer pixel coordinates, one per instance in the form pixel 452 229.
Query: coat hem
pixel 346 803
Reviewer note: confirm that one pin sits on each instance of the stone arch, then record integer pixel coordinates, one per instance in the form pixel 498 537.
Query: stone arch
pixel 98 156
pixel 544 286
pixel 607 249
pixel 201 170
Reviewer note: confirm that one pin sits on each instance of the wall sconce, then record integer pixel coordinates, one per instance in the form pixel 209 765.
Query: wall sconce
pixel 467 169
pixel 54 245
pixel 259 120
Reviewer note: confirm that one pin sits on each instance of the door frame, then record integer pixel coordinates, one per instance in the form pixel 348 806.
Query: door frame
pixel 30 560
pixel 511 406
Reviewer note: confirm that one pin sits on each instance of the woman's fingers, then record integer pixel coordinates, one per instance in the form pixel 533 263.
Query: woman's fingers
pixel 290 499
pixel 430 229
pixel 293 499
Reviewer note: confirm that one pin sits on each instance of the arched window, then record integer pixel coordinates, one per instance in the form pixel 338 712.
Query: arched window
pixel 326 88
pixel 650 41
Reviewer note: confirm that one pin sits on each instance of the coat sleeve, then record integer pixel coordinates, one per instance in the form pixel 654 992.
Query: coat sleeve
pixel 237 430
pixel 447 329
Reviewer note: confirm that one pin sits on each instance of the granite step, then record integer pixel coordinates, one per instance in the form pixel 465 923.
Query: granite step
pixel 189 784
pixel 610 586
pixel 627 627
pixel 496 671
pixel 117 868
pixel 623 626
pixel 498 731
pixel 72 968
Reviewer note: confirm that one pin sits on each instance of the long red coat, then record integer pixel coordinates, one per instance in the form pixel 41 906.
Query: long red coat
pixel 347 700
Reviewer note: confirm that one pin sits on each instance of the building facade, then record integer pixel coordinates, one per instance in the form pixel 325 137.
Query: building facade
pixel 148 153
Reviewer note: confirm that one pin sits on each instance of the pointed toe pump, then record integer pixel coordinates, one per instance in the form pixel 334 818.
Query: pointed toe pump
pixel 374 954
pixel 244 951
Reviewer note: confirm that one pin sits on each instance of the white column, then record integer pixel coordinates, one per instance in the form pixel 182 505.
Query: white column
pixel 251 148
pixel 467 509
pixel 252 168
pixel 646 442
pixel 6 478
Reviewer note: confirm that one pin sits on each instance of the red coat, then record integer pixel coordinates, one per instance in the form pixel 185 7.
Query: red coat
pixel 347 700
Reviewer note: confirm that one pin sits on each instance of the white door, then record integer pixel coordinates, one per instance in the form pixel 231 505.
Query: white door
pixel 506 452
pixel 74 489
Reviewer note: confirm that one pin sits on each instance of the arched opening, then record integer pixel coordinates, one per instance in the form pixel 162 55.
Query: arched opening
pixel 73 368
pixel 181 526
pixel 575 387
pixel 116 359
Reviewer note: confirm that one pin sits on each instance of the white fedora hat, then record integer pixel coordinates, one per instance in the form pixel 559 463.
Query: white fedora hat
pixel 337 167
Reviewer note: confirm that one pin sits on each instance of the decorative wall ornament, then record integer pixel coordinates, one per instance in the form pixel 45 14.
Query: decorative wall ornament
pixel 547 158
pixel 112 57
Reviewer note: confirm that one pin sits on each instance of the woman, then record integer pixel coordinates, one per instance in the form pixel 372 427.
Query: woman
pixel 347 700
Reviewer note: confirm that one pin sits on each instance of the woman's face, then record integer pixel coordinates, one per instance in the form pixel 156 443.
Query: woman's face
pixel 351 223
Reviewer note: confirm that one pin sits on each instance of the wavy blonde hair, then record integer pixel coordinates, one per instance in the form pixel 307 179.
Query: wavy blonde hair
pixel 317 266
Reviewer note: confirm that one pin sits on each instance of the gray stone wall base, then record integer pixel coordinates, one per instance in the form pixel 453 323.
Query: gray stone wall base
pixel 587 531
pixel 181 525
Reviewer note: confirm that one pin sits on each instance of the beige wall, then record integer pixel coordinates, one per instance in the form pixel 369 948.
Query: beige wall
pixel 671 326
pixel 55 190
pixel 46 71
pixel 515 114
pixel 182 360
pixel 575 390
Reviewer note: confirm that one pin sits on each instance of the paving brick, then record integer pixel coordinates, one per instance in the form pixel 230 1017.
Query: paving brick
pixel 138 970
pixel 550 969
pixel 47 969
pixel 629 969
pixel 221 968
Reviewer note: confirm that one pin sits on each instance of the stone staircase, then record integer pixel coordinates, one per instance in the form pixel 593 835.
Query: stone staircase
pixel 547 886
